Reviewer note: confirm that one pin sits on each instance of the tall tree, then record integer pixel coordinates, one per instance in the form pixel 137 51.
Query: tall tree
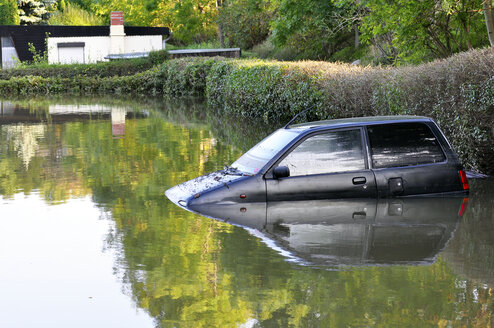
pixel 8 12
pixel 489 20
pixel 35 12
pixel 221 33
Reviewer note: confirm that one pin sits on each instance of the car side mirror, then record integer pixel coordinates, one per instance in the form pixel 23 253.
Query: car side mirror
pixel 281 172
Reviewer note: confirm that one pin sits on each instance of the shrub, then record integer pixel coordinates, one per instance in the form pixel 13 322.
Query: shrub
pixel 158 57
pixel 186 76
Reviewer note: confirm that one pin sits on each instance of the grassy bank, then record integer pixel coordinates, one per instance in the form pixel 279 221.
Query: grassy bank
pixel 457 92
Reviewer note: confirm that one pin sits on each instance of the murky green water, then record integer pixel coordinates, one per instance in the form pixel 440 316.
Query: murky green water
pixel 88 239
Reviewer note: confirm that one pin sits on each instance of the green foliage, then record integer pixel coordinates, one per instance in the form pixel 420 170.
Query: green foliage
pixel 72 14
pixel 398 32
pixel 267 50
pixel 38 57
pixel 34 11
pixel 414 31
pixel 200 45
pixel 271 91
pixel 315 29
pixel 8 12
pixel 158 57
pixel 245 23
pixel 61 5
pixel 136 12
pixel 84 4
pixel 349 54
pixel 186 76
pixel 192 21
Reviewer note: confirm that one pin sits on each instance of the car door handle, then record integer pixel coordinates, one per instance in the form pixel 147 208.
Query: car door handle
pixel 359 215
pixel 359 180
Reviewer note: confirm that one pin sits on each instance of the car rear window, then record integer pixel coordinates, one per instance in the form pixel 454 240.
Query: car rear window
pixel 403 144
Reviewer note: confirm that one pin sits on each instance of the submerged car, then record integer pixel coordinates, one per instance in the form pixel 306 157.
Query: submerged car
pixel 368 157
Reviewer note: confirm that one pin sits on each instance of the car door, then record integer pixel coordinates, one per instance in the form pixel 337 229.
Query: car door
pixel 324 165
pixel 407 159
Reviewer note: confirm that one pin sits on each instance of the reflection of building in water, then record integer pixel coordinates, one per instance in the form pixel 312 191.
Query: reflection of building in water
pixel 118 122
pixel 78 109
pixel 117 114
pixel 6 108
pixel 24 139
pixel 15 114
pixel 207 146
pixel 23 131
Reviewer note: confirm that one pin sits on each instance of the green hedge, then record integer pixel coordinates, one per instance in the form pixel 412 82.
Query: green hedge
pixel 457 92
pixel 121 67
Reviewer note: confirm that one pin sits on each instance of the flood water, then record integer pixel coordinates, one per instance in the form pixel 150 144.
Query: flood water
pixel 88 239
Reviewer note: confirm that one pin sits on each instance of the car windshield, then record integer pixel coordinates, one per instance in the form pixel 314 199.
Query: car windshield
pixel 259 155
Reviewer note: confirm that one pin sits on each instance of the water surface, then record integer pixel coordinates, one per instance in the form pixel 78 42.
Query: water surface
pixel 87 237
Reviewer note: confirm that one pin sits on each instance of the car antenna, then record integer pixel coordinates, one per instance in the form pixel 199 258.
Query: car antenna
pixel 293 119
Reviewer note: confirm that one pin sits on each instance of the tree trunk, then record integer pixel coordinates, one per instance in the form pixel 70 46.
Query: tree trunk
pixel 221 36
pixel 357 40
pixel 489 21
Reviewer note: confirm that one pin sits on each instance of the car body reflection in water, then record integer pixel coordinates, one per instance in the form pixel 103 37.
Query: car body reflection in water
pixel 349 232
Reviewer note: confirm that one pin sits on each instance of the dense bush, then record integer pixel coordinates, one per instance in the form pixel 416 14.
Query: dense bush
pixel 158 57
pixel 458 92
pixel 186 76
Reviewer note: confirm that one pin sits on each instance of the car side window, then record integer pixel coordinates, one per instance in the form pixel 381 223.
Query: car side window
pixel 403 144
pixel 336 151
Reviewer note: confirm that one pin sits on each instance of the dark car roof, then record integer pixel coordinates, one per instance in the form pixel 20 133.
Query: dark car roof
pixel 357 121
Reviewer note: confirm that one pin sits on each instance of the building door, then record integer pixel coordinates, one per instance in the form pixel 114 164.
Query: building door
pixel 71 53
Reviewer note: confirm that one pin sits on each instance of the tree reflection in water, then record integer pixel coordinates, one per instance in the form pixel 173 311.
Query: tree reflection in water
pixel 188 270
